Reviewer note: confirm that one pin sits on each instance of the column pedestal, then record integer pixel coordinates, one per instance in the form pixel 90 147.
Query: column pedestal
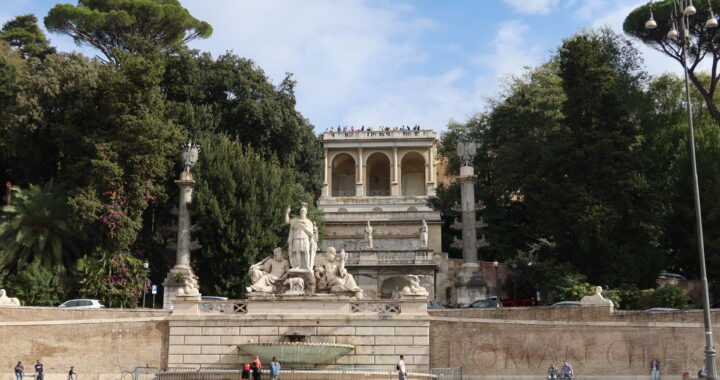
pixel 470 285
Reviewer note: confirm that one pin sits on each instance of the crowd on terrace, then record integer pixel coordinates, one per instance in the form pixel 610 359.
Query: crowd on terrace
pixel 348 131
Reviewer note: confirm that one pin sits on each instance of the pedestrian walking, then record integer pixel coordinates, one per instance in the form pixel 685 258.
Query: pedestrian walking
pixel 566 371
pixel 19 371
pixel 246 371
pixel 274 369
pixel 256 366
pixel 654 368
pixel 39 370
pixel 72 375
pixel 400 367
pixel 552 372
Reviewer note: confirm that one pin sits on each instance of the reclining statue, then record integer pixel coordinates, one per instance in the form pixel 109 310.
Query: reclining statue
pixel 268 272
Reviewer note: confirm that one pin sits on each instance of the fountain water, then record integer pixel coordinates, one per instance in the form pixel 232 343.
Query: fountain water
pixel 297 350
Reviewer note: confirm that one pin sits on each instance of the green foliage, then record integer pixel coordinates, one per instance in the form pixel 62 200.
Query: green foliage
pixel 703 43
pixel 37 285
pixel 231 95
pixel 115 278
pixel 23 33
pixel 670 296
pixel 100 130
pixel 239 200
pixel 38 229
pixel 142 27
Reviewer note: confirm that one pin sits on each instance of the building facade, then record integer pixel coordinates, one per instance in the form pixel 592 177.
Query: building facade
pixel 384 178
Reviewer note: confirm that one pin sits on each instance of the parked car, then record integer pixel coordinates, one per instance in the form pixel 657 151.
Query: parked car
pixel 432 304
pixel 672 275
pixel 486 303
pixel 510 302
pixel 566 304
pixel 662 309
pixel 213 298
pixel 82 304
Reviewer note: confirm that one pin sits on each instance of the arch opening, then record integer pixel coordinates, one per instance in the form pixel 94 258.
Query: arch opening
pixel 413 175
pixel 378 175
pixel 343 176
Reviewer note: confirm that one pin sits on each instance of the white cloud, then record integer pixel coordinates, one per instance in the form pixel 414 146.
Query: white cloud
pixel 512 51
pixel 338 51
pixel 539 7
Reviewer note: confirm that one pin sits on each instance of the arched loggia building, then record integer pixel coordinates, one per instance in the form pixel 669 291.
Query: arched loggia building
pixel 385 178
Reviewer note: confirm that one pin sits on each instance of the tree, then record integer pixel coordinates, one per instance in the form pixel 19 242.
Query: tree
pixel 703 43
pixel 38 230
pixel 143 27
pixel 23 33
pixel 232 95
pixel 239 202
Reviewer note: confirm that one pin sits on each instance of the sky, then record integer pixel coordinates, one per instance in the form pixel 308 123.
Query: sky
pixel 381 62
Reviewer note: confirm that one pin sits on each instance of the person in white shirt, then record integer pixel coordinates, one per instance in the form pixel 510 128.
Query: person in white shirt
pixel 402 375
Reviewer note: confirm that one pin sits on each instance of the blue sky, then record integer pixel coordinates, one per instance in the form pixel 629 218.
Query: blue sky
pixel 375 63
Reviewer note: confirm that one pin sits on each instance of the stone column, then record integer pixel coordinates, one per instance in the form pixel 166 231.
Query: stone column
pixel 359 185
pixel 326 192
pixel 395 186
pixel 431 175
pixel 182 271
pixel 470 285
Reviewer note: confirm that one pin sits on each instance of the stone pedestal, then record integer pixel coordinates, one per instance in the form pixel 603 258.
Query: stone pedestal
pixel 470 285
pixel 171 285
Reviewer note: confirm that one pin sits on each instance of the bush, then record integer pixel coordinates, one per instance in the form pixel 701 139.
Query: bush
pixel 670 296
pixel 115 278
pixel 37 285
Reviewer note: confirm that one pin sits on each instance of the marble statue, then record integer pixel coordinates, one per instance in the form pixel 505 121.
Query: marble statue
pixel 414 288
pixel 314 245
pixel 466 151
pixel 424 234
pixel 369 236
pixel 190 287
pixel 265 274
pixel 295 285
pixel 300 239
pixel 8 301
pixel 190 155
pixel 333 276
pixel 596 299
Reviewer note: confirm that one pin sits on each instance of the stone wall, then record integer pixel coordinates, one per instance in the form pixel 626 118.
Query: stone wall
pixel 100 343
pixel 520 342
pixel 211 340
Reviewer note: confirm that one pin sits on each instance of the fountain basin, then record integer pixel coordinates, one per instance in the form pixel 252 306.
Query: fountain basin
pixel 297 352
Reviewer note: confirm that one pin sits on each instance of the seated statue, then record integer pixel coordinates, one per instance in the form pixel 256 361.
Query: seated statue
pixel 333 276
pixel 265 274
pixel 414 289
pixel 8 301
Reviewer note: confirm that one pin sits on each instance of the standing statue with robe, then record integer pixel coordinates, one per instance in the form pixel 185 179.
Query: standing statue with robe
pixel 300 239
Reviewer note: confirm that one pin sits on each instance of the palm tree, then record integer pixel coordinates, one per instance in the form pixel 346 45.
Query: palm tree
pixel 37 229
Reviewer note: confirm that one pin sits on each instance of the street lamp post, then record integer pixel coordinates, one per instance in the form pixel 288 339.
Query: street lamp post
pixel 682 10
pixel 146 265
pixel 497 293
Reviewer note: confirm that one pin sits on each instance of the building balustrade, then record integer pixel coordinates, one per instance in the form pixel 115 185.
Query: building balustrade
pixel 389 258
